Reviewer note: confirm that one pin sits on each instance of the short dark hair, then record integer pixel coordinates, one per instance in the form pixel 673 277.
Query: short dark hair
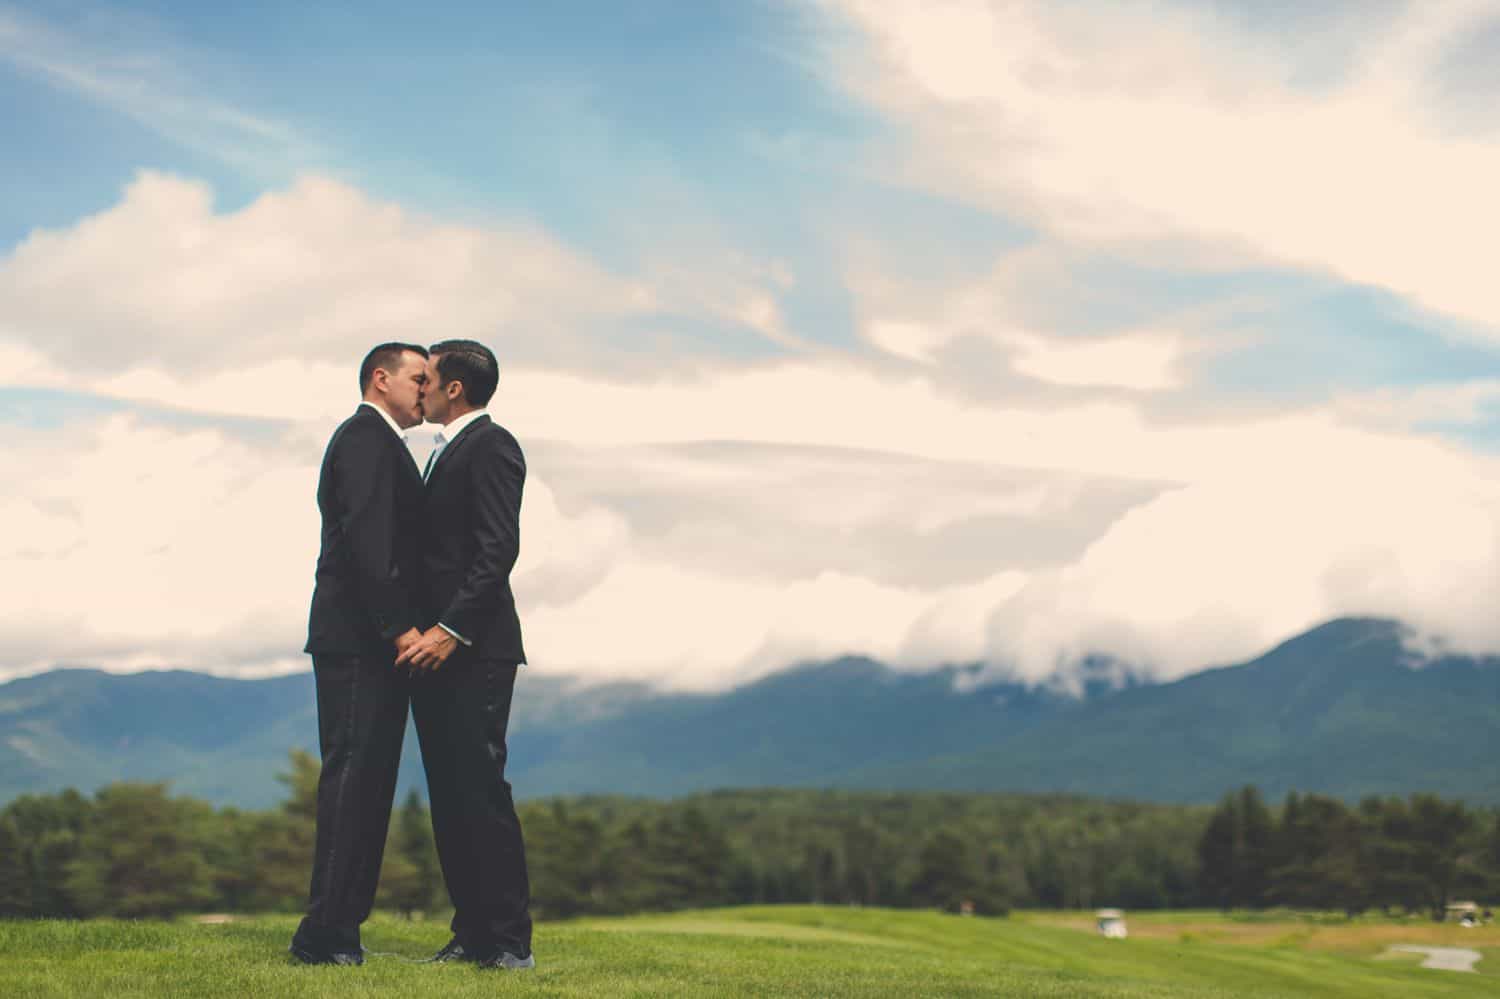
pixel 387 356
pixel 471 364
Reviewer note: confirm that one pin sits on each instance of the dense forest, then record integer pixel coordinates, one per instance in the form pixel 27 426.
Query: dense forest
pixel 133 850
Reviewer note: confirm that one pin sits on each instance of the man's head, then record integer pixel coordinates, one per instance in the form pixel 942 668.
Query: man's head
pixel 461 376
pixel 391 377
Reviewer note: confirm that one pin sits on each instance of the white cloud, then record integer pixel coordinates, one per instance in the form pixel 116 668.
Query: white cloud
pixel 920 320
pixel 1219 568
pixel 688 628
pixel 1142 362
pixel 148 546
pixel 913 341
pixel 135 544
pixel 563 557
pixel 142 546
pixel 737 516
pixel 317 273
pixel 1463 402
pixel 1139 122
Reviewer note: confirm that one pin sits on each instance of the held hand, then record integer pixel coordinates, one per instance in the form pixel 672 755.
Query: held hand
pixel 406 640
pixel 430 651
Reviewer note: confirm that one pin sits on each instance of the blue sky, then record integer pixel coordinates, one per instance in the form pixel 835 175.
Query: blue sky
pixel 984 304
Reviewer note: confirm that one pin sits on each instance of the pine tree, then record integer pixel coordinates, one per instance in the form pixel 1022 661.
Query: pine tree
pixel 282 841
pixel 1254 831
pixel 1216 857
pixel 410 878
pixel 302 781
pixel 1443 831
pixel 1319 851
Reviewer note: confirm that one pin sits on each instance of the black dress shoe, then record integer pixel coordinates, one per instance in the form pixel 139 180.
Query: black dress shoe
pixel 454 951
pixel 309 956
pixel 507 961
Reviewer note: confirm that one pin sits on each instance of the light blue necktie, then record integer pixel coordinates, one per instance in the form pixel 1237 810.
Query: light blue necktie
pixel 438 443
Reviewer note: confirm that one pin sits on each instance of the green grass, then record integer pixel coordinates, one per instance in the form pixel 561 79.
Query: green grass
pixel 767 951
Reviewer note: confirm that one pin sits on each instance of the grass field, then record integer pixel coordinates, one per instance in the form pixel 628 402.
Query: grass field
pixel 770 951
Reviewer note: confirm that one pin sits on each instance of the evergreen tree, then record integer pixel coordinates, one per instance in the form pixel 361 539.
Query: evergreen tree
pixel 1443 832
pixel 282 841
pixel 567 857
pixel 945 873
pixel 416 844
pixel 137 857
pixel 866 861
pixel 302 782
pixel 1318 844
pixel 1235 851
pixel 1045 877
pixel 1216 857
pixel 627 867
pixel 1393 854
pixel 15 879
pixel 409 876
pixel 689 860
pixel 1492 854
pixel 48 828
pixel 1254 831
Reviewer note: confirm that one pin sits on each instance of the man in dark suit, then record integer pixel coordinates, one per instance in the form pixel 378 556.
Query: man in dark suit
pixel 468 659
pixel 365 612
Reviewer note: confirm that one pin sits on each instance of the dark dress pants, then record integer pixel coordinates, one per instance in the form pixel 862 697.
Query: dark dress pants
pixel 362 705
pixel 461 712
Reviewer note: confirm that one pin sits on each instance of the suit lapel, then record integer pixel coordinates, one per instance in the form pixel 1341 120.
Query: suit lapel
pixel 408 461
pixel 446 457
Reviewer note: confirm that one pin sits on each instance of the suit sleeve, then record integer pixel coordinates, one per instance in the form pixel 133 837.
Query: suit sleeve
pixel 366 486
pixel 499 475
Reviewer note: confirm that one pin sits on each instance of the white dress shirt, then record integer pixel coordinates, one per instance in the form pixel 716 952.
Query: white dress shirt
pixel 395 427
pixel 450 430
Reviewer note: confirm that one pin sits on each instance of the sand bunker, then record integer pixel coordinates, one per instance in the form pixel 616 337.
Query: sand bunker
pixel 1444 958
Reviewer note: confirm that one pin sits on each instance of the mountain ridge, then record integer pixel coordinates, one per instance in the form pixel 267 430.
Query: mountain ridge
pixel 1343 708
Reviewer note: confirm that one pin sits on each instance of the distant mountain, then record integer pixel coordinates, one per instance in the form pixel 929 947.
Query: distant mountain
pixel 1341 709
pixel 220 739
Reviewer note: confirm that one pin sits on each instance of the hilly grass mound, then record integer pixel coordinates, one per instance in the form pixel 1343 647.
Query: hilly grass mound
pixel 764 951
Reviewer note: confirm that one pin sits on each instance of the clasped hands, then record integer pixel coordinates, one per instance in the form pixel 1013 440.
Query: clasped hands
pixel 427 650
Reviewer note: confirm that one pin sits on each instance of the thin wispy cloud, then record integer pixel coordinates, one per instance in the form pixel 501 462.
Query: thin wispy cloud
pixel 133 67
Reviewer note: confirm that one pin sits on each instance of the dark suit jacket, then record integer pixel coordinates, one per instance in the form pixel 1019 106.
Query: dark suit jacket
pixel 370 497
pixel 471 537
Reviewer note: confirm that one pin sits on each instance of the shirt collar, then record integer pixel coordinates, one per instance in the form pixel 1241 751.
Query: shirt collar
pixel 395 427
pixel 452 430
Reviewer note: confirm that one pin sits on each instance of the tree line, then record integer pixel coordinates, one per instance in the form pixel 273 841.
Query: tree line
pixel 1393 854
pixel 133 850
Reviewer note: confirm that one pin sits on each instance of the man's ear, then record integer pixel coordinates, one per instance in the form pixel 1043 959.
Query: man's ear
pixel 381 379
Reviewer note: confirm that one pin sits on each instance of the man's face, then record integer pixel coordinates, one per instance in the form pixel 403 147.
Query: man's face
pixel 403 393
pixel 435 402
